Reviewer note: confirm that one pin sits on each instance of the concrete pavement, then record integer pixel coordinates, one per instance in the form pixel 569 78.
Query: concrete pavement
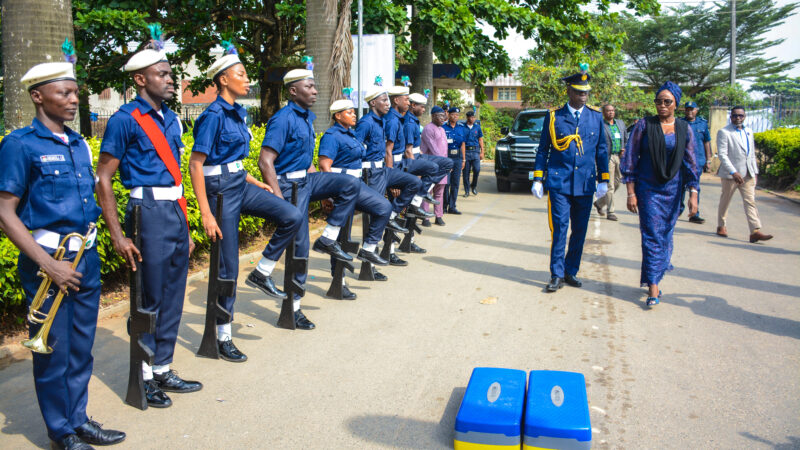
pixel 714 366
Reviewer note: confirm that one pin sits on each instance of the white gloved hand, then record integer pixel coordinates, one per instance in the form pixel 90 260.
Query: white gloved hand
pixel 602 189
pixel 537 189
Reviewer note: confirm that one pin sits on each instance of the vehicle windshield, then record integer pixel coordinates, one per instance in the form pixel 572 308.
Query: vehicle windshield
pixel 530 123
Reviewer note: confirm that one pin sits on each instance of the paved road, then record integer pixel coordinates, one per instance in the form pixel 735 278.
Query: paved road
pixel 714 366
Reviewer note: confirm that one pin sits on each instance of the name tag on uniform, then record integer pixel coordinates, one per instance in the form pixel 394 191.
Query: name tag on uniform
pixel 617 135
pixel 52 158
pixel 449 140
pixel 453 152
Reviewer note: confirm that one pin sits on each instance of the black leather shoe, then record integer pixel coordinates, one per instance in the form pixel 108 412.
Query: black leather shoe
pixel 347 294
pixel 466 192
pixel 372 257
pixel 92 433
pixel 455 211
pixel 475 191
pixel 332 249
pixel 439 221
pixel 171 382
pixel 417 249
pixel 379 276
pixel 555 284
pixel 430 199
pixel 395 261
pixel 301 322
pixel 258 280
pixel 396 227
pixel 155 396
pixel 70 442
pixel 418 212
pixel 697 219
pixel 229 352
pixel 425 223
pixel 572 281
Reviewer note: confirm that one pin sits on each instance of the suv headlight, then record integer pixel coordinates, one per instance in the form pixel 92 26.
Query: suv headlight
pixel 502 147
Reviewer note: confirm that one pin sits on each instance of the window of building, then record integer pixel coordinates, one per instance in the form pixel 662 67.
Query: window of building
pixel 506 93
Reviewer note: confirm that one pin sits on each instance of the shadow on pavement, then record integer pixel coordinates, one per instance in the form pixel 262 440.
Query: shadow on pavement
pixel 763 248
pixel 502 271
pixel 405 432
pixel 794 441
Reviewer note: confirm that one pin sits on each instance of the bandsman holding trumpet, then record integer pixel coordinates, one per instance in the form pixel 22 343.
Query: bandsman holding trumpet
pixel 46 202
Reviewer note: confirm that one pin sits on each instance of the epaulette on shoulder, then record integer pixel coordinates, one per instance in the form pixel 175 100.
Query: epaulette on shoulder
pixel 594 108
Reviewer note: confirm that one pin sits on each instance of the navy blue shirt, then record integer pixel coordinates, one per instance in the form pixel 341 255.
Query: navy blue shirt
pixel 221 133
pixel 393 129
pixel 412 130
pixel 125 140
pixel 340 144
pixel 472 135
pixel 290 132
pixel 701 134
pixel 369 131
pixel 53 180
pixel 455 137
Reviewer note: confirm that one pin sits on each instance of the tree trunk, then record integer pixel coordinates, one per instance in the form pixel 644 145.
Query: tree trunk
pixel 422 69
pixel 270 100
pixel 33 31
pixel 321 21
pixel 84 110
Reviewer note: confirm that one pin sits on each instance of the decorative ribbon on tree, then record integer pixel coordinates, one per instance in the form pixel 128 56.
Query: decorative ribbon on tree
pixel 69 51
pixel 378 80
pixel 230 49
pixel 309 62
pixel 405 80
pixel 156 37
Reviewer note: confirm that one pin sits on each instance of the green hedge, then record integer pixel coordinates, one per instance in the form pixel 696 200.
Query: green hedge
pixel 779 162
pixel 112 264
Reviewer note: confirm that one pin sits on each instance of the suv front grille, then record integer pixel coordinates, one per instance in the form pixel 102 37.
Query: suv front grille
pixel 524 152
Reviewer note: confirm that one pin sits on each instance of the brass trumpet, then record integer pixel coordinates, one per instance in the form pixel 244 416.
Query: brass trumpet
pixel 38 343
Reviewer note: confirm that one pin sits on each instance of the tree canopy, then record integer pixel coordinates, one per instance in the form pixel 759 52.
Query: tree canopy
pixel 691 44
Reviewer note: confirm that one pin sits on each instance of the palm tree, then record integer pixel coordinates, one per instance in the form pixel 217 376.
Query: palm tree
pixel 33 31
pixel 321 22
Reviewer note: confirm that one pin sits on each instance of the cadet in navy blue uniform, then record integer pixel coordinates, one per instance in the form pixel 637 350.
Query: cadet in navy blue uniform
pixel 413 132
pixel 370 132
pixel 47 188
pixel 473 145
pixel 340 152
pixel 456 135
pixel 221 143
pixel 287 156
pixel 573 153
pixel 702 153
pixel 143 141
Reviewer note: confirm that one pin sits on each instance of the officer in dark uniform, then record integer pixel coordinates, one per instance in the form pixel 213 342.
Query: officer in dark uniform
pixel 47 189
pixel 456 150
pixel 221 143
pixel 370 132
pixel 340 152
pixel 287 154
pixel 133 143
pixel 413 132
pixel 473 145
pixel 573 154
pixel 702 153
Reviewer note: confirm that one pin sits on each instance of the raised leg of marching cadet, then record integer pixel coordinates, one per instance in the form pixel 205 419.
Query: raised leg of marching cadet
pixel 165 266
pixel 428 171
pixel 381 180
pixel 312 187
pixel 62 377
pixel 241 197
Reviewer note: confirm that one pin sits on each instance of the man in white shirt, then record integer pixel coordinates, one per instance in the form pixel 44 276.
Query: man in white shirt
pixel 738 170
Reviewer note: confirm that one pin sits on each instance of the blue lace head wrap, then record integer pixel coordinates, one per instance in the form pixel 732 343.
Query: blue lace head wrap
pixel 673 88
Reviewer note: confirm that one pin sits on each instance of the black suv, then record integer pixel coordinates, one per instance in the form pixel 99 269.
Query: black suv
pixel 515 154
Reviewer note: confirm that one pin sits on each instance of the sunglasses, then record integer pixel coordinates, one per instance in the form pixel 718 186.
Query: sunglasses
pixel 737 116
pixel 663 101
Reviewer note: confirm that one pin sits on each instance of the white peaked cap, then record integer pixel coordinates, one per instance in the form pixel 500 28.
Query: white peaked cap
pixel 398 90
pixel 375 92
pixel 418 98
pixel 144 58
pixel 221 64
pixel 47 73
pixel 297 75
pixel 341 105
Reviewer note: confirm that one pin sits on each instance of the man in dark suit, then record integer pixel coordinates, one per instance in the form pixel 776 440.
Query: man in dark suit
pixel 573 152
pixel 616 139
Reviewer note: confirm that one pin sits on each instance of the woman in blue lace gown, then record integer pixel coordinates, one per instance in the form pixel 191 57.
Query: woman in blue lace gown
pixel 660 152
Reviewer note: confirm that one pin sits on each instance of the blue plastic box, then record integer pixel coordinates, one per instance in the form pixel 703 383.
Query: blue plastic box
pixel 490 416
pixel 557 412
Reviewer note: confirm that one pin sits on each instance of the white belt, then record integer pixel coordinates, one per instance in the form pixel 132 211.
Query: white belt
pixel 51 239
pixel 416 150
pixel 295 175
pixel 170 193
pixel 352 172
pixel 398 157
pixel 372 164
pixel 233 167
